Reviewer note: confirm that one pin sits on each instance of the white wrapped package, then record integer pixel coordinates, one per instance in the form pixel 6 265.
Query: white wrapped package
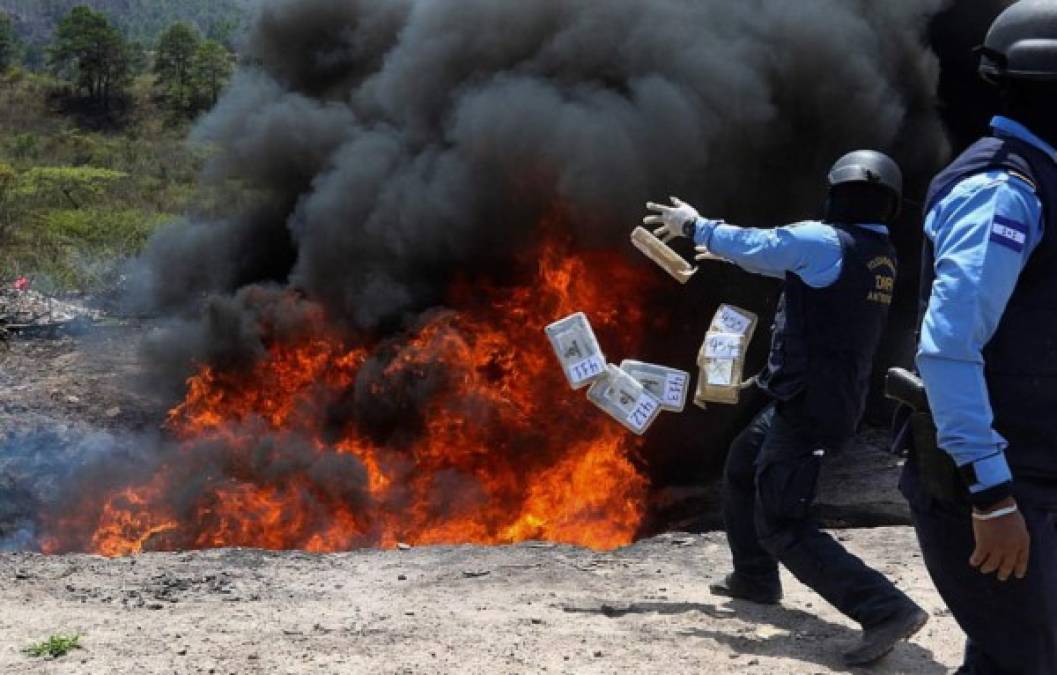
pixel 670 386
pixel 577 349
pixel 623 398
pixel 722 356
pixel 659 252
pixel 731 319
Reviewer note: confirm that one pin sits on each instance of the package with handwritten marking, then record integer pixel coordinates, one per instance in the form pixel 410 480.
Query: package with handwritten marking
pixel 722 356
pixel 670 386
pixel 623 398
pixel 577 349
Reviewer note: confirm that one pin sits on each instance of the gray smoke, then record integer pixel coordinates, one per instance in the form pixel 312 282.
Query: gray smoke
pixel 386 144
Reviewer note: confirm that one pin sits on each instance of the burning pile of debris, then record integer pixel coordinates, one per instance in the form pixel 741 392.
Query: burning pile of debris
pixel 450 434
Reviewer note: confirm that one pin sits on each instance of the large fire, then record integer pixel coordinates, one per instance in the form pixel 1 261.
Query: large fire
pixel 497 449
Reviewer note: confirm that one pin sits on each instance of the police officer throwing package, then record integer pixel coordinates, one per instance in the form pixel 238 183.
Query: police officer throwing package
pixel 839 277
pixel 983 484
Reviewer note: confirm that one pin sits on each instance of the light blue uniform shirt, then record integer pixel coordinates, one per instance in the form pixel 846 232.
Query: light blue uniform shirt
pixel 983 233
pixel 811 250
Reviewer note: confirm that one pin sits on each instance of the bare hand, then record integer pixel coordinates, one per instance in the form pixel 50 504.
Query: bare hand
pixel 1002 544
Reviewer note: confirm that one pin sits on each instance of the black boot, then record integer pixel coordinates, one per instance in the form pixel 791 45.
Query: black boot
pixel 878 640
pixel 737 587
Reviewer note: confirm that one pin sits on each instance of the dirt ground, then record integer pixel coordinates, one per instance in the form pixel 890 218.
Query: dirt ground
pixel 526 608
pixel 71 382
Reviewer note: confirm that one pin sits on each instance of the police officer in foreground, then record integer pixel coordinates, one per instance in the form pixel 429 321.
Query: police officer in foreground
pixel 983 490
pixel 839 277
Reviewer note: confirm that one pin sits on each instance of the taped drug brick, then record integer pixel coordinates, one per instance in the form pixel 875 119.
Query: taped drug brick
pixel 577 349
pixel 670 386
pixel 623 398
pixel 662 254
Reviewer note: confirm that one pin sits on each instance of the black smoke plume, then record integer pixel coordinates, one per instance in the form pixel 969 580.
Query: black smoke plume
pixel 391 142
pixel 389 145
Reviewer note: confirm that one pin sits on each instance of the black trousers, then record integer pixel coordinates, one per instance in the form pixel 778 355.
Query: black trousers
pixel 1011 627
pixel 771 480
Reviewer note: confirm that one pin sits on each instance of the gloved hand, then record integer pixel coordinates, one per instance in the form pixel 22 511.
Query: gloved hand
pixel 675 221
pixel 1003 544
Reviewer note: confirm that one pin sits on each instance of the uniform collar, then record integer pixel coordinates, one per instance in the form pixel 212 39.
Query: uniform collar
pixel 1007 127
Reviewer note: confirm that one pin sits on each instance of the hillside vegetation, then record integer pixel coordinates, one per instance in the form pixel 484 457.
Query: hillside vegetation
pixel 75 202
pixel 93 155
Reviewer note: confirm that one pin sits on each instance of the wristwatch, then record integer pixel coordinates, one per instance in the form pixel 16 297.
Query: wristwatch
pixel 690 228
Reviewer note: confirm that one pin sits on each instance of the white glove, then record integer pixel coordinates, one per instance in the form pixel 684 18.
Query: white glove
pixel 675 221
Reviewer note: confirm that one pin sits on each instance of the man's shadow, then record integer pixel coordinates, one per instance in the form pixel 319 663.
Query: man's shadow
pixel 799 635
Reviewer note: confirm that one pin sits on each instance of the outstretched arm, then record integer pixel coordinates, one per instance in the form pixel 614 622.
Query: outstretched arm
pixel 810 250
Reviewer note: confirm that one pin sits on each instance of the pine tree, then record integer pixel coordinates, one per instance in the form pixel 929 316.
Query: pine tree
pixel 211 70
pixel 173 65
pixel 91 53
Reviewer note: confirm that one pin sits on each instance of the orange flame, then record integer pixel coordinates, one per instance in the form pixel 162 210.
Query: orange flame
pixel 504 453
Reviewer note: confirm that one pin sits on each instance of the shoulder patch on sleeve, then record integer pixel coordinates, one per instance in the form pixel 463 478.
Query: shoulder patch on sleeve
pixel 1009 233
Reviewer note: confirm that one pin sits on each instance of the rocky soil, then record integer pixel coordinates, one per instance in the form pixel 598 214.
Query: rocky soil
pixel 527 608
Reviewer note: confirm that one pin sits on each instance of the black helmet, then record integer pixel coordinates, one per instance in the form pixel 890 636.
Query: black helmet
pixel 865 186
pixel 868 166
pixel 1022 43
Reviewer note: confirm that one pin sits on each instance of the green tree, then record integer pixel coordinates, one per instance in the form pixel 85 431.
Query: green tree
pixel 91 53
pixel 210 71
pixel 173 64
pixel 7 42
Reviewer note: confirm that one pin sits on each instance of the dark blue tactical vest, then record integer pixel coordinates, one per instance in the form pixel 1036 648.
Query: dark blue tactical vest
pixel 1021 359
pixel 824 339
